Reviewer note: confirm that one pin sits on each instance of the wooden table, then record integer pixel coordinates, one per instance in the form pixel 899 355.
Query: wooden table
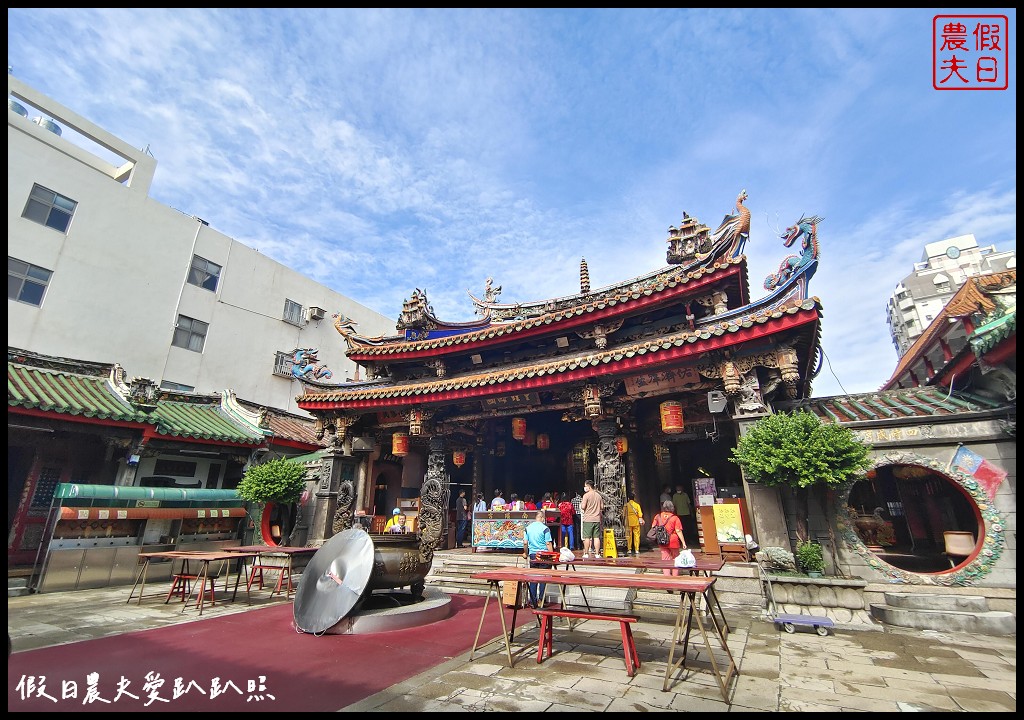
pixel 270 551
pixel 688 588
pixel 199 577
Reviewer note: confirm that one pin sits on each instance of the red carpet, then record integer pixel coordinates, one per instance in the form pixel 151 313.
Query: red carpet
pixel 304 673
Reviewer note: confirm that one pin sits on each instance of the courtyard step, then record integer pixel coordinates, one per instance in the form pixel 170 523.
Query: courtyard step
pixel 944 613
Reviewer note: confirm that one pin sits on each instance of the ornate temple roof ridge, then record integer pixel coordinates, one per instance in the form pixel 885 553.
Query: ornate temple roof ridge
pixel 506 312
pixel 884 406
pixel 496 378
pixel 635 289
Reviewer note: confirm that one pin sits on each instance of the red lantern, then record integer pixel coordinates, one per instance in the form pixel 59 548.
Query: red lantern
pixel 459 458
pixel 672 416
pixel 400 444
pixel 530 438
pixel 518 428
pixel 621 444
pixel 543 441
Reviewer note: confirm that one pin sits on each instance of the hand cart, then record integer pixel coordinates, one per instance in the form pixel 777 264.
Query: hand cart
pixel 784 621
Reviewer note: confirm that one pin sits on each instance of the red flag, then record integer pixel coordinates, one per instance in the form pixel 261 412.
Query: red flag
pixel 989 476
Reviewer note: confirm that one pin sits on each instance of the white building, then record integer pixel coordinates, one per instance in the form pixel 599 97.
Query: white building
pixel 97 270
pixel 944 267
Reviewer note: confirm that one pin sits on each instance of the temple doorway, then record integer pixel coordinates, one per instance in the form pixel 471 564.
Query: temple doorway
pixel 915 518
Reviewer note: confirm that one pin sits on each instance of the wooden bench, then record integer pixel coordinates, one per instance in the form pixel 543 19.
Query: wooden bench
pixel 547 616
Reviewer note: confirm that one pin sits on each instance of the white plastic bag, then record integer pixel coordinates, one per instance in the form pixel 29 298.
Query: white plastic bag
pixel 565 555
pixel 685 559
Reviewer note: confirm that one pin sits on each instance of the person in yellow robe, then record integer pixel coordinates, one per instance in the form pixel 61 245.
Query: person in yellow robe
pixel 634 519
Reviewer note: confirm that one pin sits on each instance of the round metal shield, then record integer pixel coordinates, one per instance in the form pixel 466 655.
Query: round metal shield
pixel 333 581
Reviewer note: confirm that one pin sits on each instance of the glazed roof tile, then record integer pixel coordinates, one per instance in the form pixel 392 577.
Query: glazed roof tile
pixel 67 393
pixel 556 365
pixel 888 405
pixel 204 421
pixel 671 278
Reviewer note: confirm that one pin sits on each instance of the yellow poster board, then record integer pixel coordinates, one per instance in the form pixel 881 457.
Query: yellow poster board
pixel 728 523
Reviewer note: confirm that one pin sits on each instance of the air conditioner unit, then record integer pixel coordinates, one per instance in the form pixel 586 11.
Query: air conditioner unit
pixel 316 313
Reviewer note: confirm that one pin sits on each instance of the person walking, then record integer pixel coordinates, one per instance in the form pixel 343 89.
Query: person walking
pixel 634 519
pixel 568 519
pixel 461 518
pixel 591 508
pixel 682 502
pixel 537 538
pixel 676 542
pixel 577 519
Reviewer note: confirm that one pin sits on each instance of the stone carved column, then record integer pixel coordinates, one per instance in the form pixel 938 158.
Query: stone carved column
pixel 433 501
pixel 326 492
pixel 610 478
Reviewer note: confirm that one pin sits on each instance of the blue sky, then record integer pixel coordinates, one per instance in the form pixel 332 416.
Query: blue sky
pixel 378 151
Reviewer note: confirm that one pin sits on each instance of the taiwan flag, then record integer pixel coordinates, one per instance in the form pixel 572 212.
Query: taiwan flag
pixel 971 463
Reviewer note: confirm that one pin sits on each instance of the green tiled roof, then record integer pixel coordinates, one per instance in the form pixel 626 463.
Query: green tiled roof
pixel 994 332
pixel 67 393
pixel 888 405
pixel 204 421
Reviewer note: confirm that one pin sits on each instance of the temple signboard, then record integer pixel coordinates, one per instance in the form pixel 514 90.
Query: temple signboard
pixel 508 401
pixel 663 380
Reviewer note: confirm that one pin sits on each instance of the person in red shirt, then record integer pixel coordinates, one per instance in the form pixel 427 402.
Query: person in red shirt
pixel 568 520
pixel 548 503
pixel 676 542
pixel 530 504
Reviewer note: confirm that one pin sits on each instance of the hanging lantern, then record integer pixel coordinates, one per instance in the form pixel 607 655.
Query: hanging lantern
pixel 621 444
pixel 415 421
pixel 518 428
pixel 400 444
pixel 459 458
pixel 543 441
pixel 530 438
pixel 591 402
pixel 672 416
pixel 499 448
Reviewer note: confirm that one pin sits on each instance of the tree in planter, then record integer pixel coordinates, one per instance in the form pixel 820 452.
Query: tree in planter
pixel 797 451
pixel 279 481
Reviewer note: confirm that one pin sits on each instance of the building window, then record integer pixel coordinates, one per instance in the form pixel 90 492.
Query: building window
pixel 283 364
pixel 175 387
pixel 292 312
pixel 50 209
pixel 26 282
pixel 204 273
pixel 190 334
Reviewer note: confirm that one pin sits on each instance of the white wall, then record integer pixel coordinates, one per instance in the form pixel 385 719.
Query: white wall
pixel 119 277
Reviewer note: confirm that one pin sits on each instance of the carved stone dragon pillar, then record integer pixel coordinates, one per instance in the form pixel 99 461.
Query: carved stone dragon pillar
pixel 433 501
pixel 610 478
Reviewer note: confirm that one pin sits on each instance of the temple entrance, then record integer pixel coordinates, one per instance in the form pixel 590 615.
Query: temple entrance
pixel 543 461
pixel 914 518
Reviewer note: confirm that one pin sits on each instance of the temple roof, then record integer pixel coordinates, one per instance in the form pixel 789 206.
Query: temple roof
pixel 96 392
pixel 989 305
pixel 631 295
pixel 887 405
pixel 200 418
pixel 67 393
pixel 619 360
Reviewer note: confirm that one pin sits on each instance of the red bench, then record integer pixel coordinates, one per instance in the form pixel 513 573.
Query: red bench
pixel 547 616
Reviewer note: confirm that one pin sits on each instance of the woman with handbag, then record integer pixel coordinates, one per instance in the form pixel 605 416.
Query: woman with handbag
pixel 668 520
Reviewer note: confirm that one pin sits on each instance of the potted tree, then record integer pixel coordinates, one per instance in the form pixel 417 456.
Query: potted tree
pixel 811 558
pixel 797 452
pixel 278 482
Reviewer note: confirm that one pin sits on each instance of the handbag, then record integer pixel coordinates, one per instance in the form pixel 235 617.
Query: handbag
pixel 658 533
pixel 685 559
